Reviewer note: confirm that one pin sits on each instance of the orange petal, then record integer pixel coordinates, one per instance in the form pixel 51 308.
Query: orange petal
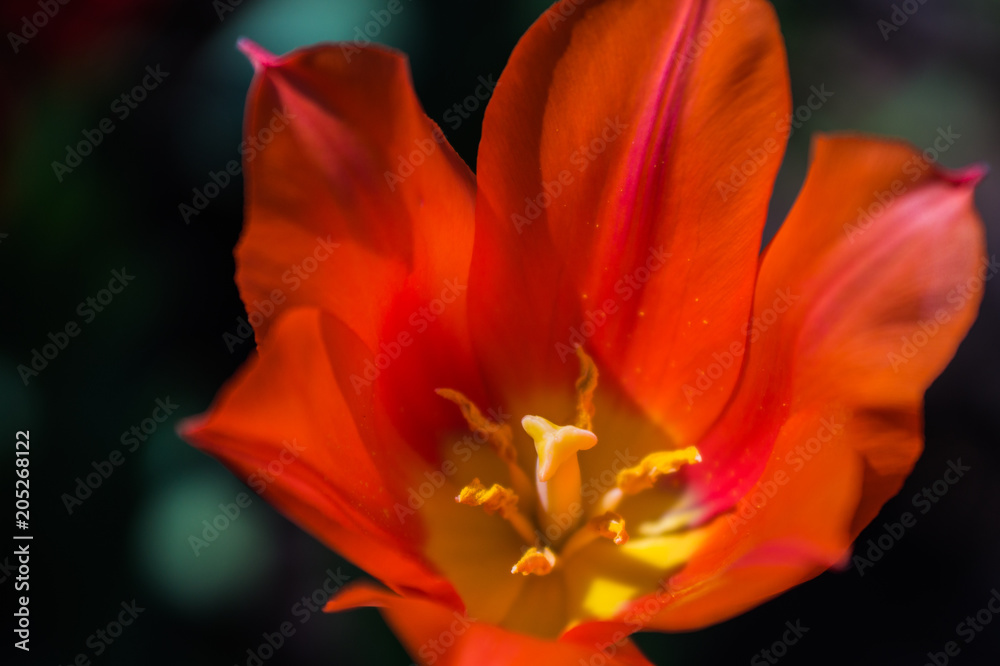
pixel 339 466
pixel 603 151
pixel 437 634
pixel 837 306
pixel 357 205
pixel 343 125
pixel 828 418
pixel 792 527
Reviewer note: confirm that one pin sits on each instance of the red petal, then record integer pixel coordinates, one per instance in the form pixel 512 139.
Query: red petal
pixel 434 633
pixel 834 359
pixel 836 302
pixel 330 171
pixel 357 164
pixel 345 485
pixel 670 128
pixel 777 539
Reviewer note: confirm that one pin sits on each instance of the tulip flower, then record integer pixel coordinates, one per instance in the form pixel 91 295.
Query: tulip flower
pixel 566 398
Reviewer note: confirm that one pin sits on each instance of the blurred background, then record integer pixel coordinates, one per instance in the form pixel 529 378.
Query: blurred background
pixel 64 233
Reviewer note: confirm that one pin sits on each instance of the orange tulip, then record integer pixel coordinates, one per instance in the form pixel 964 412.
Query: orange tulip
pixel 565 398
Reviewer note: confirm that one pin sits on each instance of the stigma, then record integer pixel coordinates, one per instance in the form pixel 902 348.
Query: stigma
pixel 555 445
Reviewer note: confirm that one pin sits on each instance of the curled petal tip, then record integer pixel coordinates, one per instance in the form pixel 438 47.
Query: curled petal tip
pixel 189 426
pixel 970 175
pixel 259 57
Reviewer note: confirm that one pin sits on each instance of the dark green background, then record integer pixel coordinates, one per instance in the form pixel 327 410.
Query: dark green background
pixel 162 337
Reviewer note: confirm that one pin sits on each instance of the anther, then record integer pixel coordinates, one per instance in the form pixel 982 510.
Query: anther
pixel 535 561
pixel 497 499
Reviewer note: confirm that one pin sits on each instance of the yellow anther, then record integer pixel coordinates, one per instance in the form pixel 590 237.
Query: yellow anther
pixel 499 435
pixel 611 526
pixel 494 499
pixel 644 475
pixel 535 561
pixel 497 499
pixel 585 387
pixel 555 444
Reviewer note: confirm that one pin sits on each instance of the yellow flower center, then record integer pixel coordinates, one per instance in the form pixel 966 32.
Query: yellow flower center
pixel 550 515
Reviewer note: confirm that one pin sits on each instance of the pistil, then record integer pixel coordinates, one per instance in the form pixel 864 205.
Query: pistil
pixel 557 472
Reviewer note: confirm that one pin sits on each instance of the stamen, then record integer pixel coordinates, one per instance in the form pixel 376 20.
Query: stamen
pixel 494 499
pixel 609 525
pixel 644 475
pixel 499 435
pixel 497 499
pixel 585 387
pixel 535 561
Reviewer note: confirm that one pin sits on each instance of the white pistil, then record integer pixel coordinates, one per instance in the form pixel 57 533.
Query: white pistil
pixel 557 472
